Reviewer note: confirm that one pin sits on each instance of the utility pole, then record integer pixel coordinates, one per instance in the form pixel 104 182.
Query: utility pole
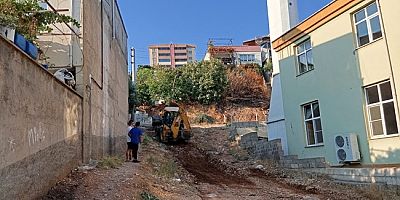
pixel 133 74
pixel 133 68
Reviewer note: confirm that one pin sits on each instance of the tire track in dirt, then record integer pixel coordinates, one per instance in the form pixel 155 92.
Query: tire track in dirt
pixel 204 168
pixel 257 173
pixel 207 169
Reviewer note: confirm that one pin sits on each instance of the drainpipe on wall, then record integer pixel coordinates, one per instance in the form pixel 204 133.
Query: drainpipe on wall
pixel 100 85
pixel 71 49
pixel 389 56
pixel 83 129
pixel 90 118
pixel 113 19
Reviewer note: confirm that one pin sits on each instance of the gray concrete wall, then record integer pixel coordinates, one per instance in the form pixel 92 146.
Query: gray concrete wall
pixel 106 77
pixel 40 120
pixel 261 149
pixel 292 162
pixel 385 176
pixel 272 149
pixel 48 128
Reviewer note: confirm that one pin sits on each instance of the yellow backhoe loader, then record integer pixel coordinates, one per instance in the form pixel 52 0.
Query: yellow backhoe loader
pixel 172 125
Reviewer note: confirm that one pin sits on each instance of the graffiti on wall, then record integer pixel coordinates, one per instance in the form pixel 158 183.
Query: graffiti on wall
pixel 11 144
pixel 36 135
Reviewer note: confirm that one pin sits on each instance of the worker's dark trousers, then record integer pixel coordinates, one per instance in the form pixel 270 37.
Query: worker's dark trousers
pixel 135 150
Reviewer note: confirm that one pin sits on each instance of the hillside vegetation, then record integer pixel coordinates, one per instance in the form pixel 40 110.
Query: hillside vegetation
pixel 202 82
pixel 208 90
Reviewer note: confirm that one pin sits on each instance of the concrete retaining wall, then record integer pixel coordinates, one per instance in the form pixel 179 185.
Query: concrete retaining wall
pixel 389 176
pixel 292 162
pixel 264 149
pixel 41 126
pixel 261 149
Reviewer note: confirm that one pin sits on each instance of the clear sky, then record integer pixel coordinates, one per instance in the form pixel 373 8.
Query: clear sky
pixel 194 22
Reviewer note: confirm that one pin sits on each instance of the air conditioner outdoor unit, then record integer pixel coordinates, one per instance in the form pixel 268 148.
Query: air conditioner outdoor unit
pixel 346 146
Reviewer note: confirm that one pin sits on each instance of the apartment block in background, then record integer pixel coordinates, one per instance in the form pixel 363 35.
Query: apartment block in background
pixel 171 55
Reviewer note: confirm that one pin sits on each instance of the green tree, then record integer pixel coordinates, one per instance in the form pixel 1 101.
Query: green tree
pixel 182 86
pixel 203 82
pixel 268 66
pixel 214 82
pixel 144 76
pixel 162 84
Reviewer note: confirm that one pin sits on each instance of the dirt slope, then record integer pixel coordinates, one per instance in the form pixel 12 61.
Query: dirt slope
pixel 209 167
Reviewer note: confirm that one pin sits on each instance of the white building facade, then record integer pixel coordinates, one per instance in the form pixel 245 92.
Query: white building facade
pixel 283 15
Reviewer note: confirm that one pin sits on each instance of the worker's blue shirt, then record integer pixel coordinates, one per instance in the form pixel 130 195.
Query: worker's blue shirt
pixel 135 135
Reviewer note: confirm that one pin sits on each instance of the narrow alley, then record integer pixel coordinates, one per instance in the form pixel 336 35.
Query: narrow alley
pixel 223 100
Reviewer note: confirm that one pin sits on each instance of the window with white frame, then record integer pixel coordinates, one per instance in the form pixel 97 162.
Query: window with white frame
pixel 304 57
pixel 381 113
pixel 312 120
pixel 367 24
pixel 247 57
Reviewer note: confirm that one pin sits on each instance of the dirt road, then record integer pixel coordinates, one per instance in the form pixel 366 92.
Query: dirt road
pixel 209 167
pixel 213 181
